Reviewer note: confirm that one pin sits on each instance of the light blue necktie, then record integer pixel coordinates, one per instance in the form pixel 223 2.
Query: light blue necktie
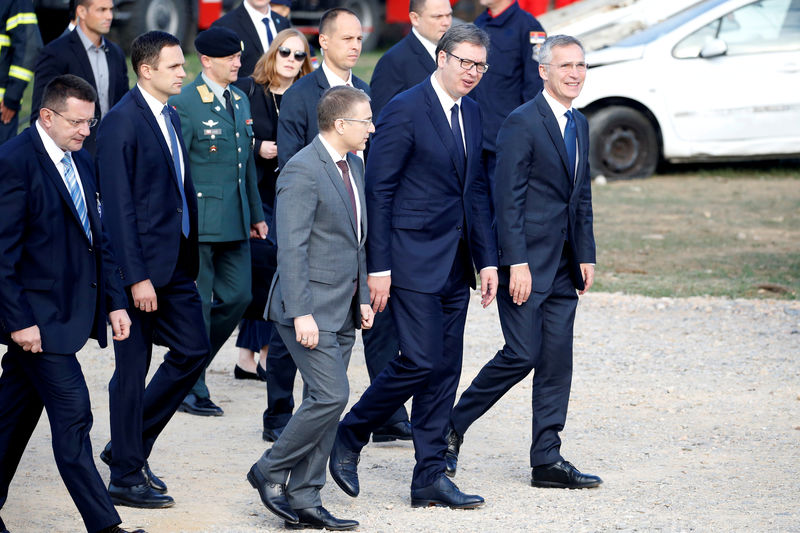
pixel 75 194
pixel 571 142
pixel 176 162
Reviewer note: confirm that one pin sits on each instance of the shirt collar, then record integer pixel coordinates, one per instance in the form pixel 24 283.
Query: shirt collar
pixel 87 43
pixel 50 146
pixel 215 87
pixel 152 102
pixel 557 107
pixel 429 46
pixel 444 99
pixel 256 16
pixel 335 155
pixel 333 79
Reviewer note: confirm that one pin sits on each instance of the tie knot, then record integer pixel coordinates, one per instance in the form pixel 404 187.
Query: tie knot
pixel 454 109
pixel 568 114
pixel 165 111
pixel 265 20
pixel 342 164
pixel 67 159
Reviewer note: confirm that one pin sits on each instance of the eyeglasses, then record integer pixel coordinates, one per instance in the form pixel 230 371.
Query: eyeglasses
pixel 285 52
pixel 467 64
pixel 568 67
pixel 364 121
pixel 91 122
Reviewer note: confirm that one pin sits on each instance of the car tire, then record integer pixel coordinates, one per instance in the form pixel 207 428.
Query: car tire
pixel 370 13
pixel 171 16
pixel 622 143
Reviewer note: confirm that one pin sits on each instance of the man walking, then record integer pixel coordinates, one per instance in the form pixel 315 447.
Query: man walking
pixel 547 252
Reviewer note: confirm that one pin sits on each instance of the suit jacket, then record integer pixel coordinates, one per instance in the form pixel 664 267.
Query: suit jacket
pixel 420 204
pixel 144 210
pixel 240 22
pixel 537 204
pixel 221 155
pixel 66 55
pixel 297 124
pixel 321 260
pixel 405 64
pixel 47 278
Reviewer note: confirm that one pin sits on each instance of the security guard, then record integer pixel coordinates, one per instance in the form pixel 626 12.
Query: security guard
pixel 20 43
pixel 218 133
pixel 513 76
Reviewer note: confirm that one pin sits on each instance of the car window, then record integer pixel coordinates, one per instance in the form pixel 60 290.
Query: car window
pixel 763 26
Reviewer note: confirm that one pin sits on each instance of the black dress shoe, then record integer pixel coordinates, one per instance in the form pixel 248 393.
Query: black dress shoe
pixel 320 518
pixel 271 434
pixel 241 373
pixel 153 480
pixel 272 494
pixel 261 371
pixel 199 406
pixel 562 475
pixel 444 493
pixel 142 496
pixel 454 441
pixel 388 433
pixel 117 529
pixel 343 466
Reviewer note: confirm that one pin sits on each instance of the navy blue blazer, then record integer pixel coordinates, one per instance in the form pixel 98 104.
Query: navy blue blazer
pixel 240 22
pixel 51 274
pixel 404 65
pixel 66 55
pixel 297 123
pixel 143 208
pixel 419 204
pixel 538 207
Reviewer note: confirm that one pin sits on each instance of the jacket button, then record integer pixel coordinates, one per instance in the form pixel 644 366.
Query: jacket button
pixel 458 228
pixel 91 250
pixel 563 230
pixel 239 149
pixel 199 195
pixel 240 165
pixel 93 285
pixel 180 210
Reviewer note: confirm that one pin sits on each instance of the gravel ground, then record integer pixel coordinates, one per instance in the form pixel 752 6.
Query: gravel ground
pixel 689 409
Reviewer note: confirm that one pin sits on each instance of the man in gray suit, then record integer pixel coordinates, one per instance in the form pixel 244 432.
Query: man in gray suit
pixel 319 296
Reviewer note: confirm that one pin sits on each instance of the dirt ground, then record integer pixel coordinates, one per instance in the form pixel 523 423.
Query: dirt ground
pixel 689 409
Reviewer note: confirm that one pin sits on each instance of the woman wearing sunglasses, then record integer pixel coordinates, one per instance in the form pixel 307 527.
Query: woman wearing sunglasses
pixel 286 61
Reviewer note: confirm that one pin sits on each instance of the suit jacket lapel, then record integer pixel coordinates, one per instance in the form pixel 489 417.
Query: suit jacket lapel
pixel 333 173
pixel 440 124
pixel 83 58
pixel 246 23
pixel 425 59
pixel 151 121
pixel 551 125
pixel 583 154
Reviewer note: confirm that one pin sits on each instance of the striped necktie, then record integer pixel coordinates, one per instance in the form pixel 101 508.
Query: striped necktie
pixel 75 194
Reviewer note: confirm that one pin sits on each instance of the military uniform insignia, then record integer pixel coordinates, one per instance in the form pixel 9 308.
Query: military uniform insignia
pixel 205 94
pixel 537 38
pixel 249 121
pixel 217 108
pixel 213 148
pixel 210 123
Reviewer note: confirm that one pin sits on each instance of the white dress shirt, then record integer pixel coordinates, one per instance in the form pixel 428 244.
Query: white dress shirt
pixel 336 156
pixel 333 79
pixel 258 21
pixel 156 107
pixel 57 154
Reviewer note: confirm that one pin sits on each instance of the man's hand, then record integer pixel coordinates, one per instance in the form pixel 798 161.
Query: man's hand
pixel 6 114
pixel 488 286
pixel 120 324
pixel 587 270
pixel 367 316
pixel 30 339
pixel 519 286
pixel 306 331
pixel 259 230
pixel 144 296
pixel 379 291
pixel 268 150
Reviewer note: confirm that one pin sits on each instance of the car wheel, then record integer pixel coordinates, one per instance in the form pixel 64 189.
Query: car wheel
pixel 370 14
pixel 622 143
pixel 171 16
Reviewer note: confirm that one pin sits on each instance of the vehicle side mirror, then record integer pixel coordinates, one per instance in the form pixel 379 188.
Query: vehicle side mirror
pixel 714 48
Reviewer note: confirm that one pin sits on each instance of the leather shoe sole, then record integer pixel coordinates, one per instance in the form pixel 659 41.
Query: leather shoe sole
pixel 272 495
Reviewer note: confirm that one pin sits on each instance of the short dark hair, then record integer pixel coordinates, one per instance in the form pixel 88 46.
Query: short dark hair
pixel 462 33
pixel 76 3
pixel 337 102
pixel 416 6
pixel 554 41
pixel 146 48
pixel 328 18
pixel 67 86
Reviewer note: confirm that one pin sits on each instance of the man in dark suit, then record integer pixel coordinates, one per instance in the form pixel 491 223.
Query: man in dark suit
pixel 86 53
pixel 256 25
pixel 54 295
pixel 547 251
pixel 340 39
pixel 151 214
pixel 429 223
pixel 405 64
pixel 319 296
pixel 413 58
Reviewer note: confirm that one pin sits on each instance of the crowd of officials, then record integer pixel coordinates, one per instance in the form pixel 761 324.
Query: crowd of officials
pixel 298 204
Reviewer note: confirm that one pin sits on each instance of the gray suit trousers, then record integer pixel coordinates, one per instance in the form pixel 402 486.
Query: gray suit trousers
pixel 300 455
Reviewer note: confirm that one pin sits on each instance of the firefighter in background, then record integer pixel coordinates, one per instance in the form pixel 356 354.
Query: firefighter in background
pixel 20 43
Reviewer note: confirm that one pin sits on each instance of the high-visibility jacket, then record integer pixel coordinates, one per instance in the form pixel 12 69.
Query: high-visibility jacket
pixel 20 43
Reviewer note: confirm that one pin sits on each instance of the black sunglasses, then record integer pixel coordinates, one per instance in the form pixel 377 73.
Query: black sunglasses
pixel 298 55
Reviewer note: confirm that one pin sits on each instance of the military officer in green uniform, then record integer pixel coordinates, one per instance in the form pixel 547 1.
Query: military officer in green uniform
pixel 217 130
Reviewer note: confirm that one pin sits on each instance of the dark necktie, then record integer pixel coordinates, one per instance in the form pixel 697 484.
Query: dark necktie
pixel 265 20
pixel 456 127
pixel 571 142
pixel 347 185
pixel 176 162
pixel 228 104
